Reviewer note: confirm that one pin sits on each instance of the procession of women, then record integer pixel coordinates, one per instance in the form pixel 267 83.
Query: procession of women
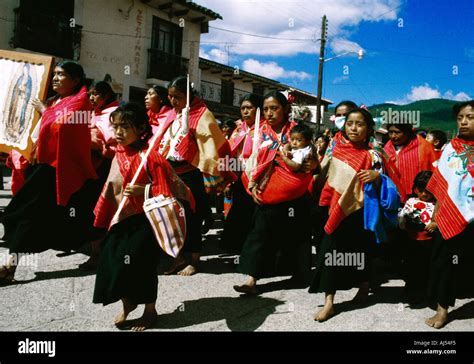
pixel 145 180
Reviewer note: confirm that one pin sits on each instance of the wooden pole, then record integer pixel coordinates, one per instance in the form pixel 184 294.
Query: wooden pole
pixel 320 74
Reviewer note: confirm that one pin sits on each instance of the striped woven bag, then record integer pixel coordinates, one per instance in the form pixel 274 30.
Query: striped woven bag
pixel 167 218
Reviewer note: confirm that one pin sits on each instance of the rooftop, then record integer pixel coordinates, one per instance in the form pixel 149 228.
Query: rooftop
pixel 183 7
pixel 229 71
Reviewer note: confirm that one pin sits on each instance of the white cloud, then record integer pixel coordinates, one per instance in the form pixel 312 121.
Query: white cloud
pixel 340 45
pixel 425 92
pixel 214 54
pixel 460 96
pixel 294 19
pixel 272 70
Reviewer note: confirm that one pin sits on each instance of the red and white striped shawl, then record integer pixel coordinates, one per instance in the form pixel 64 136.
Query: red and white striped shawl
pixel 124 166
pixel 241 141
pixel 343 192
pixel 203 145
pixel 451 187
pixel 418 155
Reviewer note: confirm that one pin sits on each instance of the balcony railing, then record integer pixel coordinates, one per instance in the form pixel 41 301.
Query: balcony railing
pixel 166 66
pixel 48 34
pixel 210 91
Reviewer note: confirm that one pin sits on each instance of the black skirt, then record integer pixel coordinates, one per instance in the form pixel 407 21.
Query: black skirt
pixel 128 263
pixel 279 241
pixel 194 219
pixel 239 220
pixel 345 256
pixel 452 268
pixel 416 266
pixel 34 223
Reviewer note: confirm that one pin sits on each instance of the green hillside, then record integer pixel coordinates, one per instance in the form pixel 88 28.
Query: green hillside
pixel 434 113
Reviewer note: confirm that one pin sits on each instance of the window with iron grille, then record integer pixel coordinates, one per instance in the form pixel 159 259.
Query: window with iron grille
pixel 45 26
pixel 165 61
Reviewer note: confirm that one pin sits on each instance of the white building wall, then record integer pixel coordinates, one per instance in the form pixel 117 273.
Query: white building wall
pixel 191 42
pixel 114 42
pixel 116 45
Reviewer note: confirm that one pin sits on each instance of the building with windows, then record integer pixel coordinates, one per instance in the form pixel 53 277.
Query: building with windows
pixel 135 44
pixel 222 87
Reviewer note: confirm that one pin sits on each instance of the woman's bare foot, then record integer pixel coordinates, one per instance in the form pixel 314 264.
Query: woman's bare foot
pixel 122 316
pixel 147 320
pixel 178 264
pixel 7 275
pixel 440 319
pixel 246 289
pixel 189 270
pixel 324 314
pixel 249 287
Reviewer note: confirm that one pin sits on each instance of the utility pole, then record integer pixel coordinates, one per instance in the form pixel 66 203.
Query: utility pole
pixel 324 25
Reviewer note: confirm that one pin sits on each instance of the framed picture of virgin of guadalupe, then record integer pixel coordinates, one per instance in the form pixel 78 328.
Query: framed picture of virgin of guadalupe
pixel 23 77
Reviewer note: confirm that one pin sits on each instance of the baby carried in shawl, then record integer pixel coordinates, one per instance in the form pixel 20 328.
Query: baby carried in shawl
pixel 267 170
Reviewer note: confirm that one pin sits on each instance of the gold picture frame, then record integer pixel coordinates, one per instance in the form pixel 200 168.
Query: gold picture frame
pixel 23 77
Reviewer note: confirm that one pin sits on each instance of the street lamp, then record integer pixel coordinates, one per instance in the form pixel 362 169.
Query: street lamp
pixel 360 54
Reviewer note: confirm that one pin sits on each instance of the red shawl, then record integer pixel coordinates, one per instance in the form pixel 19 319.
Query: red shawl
pixel 124 166
pixel 204 144
pixel 156 118
pixel 343 192
pixel 241 141
pixel 452 184
pixel 279 183
pixel 65 143
pixel 418 155
pixel 18 165
pixel 102 135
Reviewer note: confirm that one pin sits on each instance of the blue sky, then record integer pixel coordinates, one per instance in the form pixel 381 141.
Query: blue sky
pixel 414 49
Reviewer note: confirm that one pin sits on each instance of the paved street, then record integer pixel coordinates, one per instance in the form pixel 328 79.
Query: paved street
pixel 53 295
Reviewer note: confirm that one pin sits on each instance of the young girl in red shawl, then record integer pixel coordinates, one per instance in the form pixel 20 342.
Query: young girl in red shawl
pixel 344 172
pixel 127 267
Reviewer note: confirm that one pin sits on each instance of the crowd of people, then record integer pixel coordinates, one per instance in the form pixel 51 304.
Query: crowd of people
pixel 343 191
